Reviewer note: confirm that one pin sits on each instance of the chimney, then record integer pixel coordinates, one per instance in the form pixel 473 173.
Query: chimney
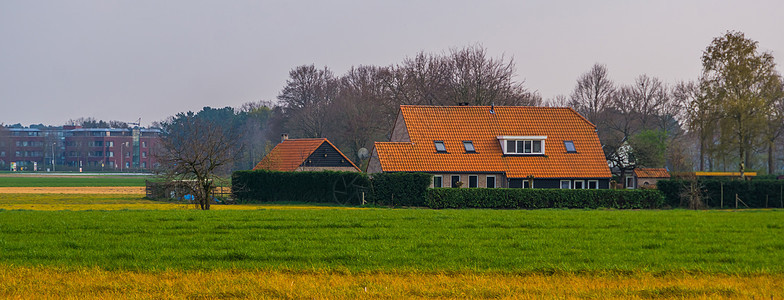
pixel 284 137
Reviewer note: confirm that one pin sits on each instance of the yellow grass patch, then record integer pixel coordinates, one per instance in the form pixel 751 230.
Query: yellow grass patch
pixel 51 202
pixel 42 282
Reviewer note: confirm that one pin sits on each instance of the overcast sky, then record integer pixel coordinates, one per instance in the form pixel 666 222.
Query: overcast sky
pixel 124 60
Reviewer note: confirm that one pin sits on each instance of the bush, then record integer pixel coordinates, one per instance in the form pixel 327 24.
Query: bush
pixel 542 198
pixel 401 189
pixel 755 193
pixel 273 186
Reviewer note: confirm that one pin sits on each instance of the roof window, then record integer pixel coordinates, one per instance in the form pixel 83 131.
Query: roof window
pixel 440 146
pixel 570 147
pixel 469 146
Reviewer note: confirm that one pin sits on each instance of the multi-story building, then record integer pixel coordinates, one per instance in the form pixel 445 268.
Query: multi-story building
pixel 74 148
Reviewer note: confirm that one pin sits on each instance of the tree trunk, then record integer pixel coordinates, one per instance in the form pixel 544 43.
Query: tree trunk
pixel 771 161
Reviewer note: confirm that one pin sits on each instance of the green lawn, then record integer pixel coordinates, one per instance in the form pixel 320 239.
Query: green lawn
pixel 72 181
pixel 732 242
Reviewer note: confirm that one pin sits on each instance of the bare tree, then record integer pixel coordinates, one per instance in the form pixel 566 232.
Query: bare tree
pixel 558 101
pixel 306 98
pixel 197 151
pixel 593 93
pixel 359 108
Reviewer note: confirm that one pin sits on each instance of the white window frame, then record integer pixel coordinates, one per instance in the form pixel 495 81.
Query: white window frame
pixel 630 179
pixel 567 181
pixel 487 179
pixel 477 181
pixel 442 181
pixel 596 183
pixel 574 184
pixel 522 141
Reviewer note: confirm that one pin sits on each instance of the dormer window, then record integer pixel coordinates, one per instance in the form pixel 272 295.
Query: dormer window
pixel 440 146
pixel 526 145
pixel 469 146
pixel 570 147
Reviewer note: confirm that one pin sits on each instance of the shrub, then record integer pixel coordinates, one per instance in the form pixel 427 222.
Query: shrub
pixel 324 186
pixel 542 198
pixel 401 189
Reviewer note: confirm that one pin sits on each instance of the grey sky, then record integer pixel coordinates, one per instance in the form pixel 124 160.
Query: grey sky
pixel 123 60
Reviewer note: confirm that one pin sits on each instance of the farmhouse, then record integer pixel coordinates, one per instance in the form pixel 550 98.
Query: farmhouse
pixel 305 155
pixel 495 146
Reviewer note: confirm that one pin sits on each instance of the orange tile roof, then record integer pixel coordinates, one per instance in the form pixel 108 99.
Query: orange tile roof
pixel 455 124
pixel 651 173
pixel 290 154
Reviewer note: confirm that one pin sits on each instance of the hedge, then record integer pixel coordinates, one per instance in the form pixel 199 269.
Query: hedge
pixel 755 193
pixel 401 189
pixel 542 198
pixel 324 186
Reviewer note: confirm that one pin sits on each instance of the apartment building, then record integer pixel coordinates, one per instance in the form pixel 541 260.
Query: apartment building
pixel 75 148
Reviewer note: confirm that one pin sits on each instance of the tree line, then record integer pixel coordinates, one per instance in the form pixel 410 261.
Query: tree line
pixel 729 118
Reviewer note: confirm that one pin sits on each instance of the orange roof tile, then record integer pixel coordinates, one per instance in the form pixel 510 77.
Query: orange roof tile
pixel 651 173
pixel 290 154
pixel 455 124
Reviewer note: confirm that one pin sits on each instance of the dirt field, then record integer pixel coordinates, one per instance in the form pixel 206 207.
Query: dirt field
pixel 74 190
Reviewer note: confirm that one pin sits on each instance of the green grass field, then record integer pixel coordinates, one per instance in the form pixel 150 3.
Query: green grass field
pixel 72 181
pixel 726 242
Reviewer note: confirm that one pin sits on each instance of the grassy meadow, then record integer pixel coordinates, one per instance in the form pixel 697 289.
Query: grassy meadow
pixel 394 240
pixel 124 246
pixel 71 181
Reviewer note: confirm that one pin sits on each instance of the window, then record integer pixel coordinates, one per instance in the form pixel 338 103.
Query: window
pixel 566 184
pixel 569 147
pixel 490 181
pixel 522 144
pixel 579 184
pixel 144 155
pixel 473 181
pixel 510 147
pixel 455 180
pixel 109 154
pixel 469 146
pixel 593 184
pixel 127 164
pixel 440 146
pixel 144 144
pixel 526 184
pixel 438 181
pixel 110 144
pixel 629 182
pixel 144 165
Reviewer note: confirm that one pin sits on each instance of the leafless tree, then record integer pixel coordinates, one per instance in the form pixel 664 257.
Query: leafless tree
pixel 558 101
pixel 306 98
pixel 359 109
pixel 197 152
pixel 593 93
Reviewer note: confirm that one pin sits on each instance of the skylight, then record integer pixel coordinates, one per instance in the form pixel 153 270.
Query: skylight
pixel 469 146
pixel 569 146
pixel 440 146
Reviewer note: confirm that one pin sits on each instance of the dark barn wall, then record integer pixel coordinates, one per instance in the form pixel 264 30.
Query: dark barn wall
pixel 326 156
